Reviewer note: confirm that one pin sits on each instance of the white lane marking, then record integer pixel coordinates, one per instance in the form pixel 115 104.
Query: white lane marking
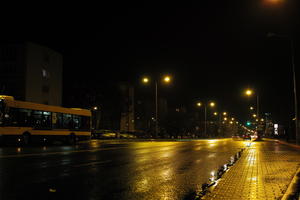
pixel 92 163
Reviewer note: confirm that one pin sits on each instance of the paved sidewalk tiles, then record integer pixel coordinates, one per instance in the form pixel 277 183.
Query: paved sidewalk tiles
pixel 263 172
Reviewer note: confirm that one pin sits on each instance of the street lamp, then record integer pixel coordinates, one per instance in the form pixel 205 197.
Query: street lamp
pixel 146 80
pixel 272 2
pixel 211 104
pixel 96 115
pixel 249 93
pixel 95 108
pixel 292 51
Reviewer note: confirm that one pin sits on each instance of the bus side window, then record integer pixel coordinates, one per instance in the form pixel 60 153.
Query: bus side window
pixel 46 120
pixel 25 117
pixel 37 119
pixel 67 121
pixel 77 121
pixel 57 120
pixel 13 117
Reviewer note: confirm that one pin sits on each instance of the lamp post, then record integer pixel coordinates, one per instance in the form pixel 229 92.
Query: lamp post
pixel 249 93
pixel 292 51
pixel 146 80
pixel 211 104
pixel 96 115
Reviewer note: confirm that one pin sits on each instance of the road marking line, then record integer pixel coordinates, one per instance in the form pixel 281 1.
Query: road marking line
pixel 92 163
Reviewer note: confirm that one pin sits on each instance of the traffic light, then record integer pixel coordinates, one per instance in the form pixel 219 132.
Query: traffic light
pixel 248 123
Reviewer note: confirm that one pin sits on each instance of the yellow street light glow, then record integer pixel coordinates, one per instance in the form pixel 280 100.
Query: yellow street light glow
pixel 232 119
pixel 145 80
pixel 167 79
pixel 256 120
pixel 199 104
pixel 273 1
pixel 251 108
pixel 225 118
pixel 95 108
pixel 248 92
pixel 254 115
pixel 224 113
pixel 262 120
pixel 212 104
pixel 215 113
pixel 231 122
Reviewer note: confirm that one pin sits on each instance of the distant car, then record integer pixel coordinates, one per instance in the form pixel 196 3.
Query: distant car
pixel 254 137
pixel 246 137
pixel 104 134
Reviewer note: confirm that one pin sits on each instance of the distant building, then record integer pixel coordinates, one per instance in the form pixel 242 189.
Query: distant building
pixel 127 122
pixel 31 72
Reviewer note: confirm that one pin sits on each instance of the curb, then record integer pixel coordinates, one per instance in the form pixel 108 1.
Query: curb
pixel 282 142
pixel 288 144
pixel 294 188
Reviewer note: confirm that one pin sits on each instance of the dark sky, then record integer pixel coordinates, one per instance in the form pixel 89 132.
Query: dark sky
pixel 213 49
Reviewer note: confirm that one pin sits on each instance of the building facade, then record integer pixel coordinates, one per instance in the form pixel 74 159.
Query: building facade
pixel 31 72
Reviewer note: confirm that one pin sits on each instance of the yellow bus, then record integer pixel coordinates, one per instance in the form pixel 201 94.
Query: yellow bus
pixel 26 122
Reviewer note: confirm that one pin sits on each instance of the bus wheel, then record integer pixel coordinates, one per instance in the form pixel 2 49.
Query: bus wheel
pixel 26 138
pixel 72 139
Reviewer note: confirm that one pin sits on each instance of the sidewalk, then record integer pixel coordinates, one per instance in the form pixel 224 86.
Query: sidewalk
pixel 264 171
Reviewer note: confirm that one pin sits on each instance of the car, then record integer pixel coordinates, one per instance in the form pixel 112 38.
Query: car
pixel 246 137
pixel 104 134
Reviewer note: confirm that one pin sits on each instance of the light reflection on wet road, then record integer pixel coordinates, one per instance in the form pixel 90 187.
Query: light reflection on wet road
pixel 112 169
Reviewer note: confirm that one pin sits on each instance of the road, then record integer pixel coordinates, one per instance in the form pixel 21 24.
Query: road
pixel 112 169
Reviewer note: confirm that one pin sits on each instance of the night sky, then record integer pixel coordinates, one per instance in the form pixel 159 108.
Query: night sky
pixel 213 49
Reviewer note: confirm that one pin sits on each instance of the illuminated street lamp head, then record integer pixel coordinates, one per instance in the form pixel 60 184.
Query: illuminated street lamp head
pixel 248 92
pixel 225 118
pixel 199 104
pixel 254 115
pixel 215 113
pixel 167 79
pixel 145 80
pixel 231 122
pixel 232 119
pixel 95 108
pixel 251 108
pixel 212 104
pixel 224 113
pixel 262 120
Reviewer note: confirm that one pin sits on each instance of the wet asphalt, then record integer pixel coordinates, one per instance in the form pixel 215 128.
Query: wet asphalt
pixel 96 169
